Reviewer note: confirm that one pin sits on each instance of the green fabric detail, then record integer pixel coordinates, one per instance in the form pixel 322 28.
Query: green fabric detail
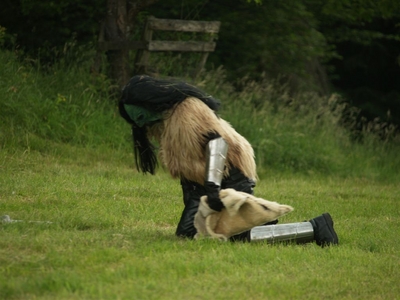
pixel 140 115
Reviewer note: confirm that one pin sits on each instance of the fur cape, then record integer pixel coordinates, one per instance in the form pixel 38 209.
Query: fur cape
pixel 182 137
pixel 241 212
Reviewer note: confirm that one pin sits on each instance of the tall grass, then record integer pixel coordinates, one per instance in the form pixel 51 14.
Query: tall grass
pixel 63 104
pixel 303 133
pixel 300 133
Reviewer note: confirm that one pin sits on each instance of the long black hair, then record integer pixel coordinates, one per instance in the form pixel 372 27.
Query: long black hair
pixel 155 95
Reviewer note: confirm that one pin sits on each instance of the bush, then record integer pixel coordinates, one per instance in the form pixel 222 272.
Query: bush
pixel 301 133
pixel 65 104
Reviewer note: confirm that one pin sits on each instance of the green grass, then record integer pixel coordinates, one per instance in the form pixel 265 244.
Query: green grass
pixel 112 236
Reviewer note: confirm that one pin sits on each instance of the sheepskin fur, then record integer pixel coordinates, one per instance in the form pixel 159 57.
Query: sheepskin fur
pixel 182 138
pixel 241 213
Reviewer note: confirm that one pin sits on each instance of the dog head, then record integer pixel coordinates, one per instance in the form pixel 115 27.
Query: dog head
pixel 241 212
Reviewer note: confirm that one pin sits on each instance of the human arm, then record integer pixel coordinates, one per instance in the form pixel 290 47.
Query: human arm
pixel 216 151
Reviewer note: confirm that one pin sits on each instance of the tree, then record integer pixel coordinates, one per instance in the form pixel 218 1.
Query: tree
pixel 39 27
pixel 366 36
pixel 346 46
pixel 118 25
pixel 272 39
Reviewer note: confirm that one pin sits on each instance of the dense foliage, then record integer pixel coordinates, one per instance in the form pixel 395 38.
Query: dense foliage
pixel 346 46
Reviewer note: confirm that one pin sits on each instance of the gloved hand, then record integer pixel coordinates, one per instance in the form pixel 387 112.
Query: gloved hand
pixel 213 196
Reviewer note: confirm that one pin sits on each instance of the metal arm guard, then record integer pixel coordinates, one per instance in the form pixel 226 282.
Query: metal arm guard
pixel 216 151
pixel 297 232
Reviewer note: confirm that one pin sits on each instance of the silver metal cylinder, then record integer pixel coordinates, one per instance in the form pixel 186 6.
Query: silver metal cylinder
pixel 294 232
pixel 216 152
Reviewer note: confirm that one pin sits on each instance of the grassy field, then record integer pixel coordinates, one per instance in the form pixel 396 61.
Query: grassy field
pixel 112 236
pixel 93 228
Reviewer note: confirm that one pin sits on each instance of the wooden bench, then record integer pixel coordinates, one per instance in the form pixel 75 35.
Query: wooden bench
pixel 148 45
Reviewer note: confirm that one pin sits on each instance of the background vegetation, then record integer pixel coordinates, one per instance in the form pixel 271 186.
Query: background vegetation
pixel 66 157
pixel 302 133
pixel 344 46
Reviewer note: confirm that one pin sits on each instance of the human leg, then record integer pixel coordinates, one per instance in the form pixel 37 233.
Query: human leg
pixel 192 192
pixel 319 229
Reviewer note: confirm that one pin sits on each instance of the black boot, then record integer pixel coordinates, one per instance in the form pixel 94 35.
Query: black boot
pixel 186 227
pixel 192 192
pixel 324 233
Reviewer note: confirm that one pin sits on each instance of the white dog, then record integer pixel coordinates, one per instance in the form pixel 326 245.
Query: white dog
pixel 241 213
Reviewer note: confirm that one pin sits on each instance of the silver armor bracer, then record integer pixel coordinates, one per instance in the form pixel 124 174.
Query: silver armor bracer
pixel 299 232
pixel 216 151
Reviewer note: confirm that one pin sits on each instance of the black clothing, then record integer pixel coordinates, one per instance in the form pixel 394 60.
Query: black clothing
pixel 192 192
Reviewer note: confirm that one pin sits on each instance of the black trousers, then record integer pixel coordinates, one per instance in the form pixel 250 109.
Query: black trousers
pixel 192 192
